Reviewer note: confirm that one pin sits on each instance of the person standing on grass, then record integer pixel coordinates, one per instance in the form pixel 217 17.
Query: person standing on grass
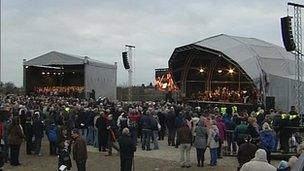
pixel 213 143
pixel 127 148
pixel 15 139
pixel 80 154
pixel 200 142
pixel 185 138
pixel 38 127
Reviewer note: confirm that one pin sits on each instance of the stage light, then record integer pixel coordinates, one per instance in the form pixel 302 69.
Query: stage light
pixel 230 71
pixel 58 73
pixel 62 73
pixel 73 72
pixel 26 67
pixel 48 73
pixel 219 71
pixel 43 73
pixel 201 70
pixel 54 73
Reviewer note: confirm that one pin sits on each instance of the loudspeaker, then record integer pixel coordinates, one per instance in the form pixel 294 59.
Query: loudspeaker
pixel 270 102
pixel 286 28
pixel 125 60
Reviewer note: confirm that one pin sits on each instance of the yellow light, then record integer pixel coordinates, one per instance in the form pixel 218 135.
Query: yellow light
pixel 201 70
pixel 230 71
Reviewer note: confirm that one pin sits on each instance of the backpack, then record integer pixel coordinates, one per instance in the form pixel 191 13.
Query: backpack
pixel 53 134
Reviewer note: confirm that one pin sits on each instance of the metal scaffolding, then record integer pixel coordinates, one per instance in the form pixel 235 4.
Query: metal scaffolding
pixel 298 56
pixel 130 49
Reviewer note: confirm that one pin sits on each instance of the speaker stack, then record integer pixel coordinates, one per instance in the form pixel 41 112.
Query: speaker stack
pixel 125 60
pixel 286 28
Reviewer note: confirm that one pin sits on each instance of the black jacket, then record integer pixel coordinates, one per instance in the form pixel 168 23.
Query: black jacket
pixel 65 159
pixel 38 127
pixel 126 147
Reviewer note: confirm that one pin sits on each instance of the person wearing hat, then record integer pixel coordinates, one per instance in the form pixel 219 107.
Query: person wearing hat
pixel 38 127
pixel 80 154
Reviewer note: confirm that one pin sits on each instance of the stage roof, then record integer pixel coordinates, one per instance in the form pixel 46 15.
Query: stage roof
pixel 58 58
pixel 253 55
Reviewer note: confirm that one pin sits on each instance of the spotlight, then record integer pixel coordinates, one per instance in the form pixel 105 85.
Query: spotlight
pixel 73 72
pixel 62 73
pixel 58 73
pixel 54 73
pixel 26 66
pixel 230 71
pixel 43 73
pixel 48 73
pixel 201 70
pixel 219 71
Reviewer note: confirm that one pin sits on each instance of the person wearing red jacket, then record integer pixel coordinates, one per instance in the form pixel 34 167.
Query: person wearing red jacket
pixel 222 134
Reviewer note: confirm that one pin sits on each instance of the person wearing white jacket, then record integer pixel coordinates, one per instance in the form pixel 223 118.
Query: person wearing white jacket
pixel 258 163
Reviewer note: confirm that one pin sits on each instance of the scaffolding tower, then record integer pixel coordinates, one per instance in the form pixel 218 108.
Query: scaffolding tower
pixel 298 56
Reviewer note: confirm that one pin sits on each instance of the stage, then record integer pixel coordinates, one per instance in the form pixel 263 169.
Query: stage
pixel 240 106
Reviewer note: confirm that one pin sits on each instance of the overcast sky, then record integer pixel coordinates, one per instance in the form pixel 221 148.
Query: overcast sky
pixel 100 29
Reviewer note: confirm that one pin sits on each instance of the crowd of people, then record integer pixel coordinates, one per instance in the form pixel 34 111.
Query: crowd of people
pixel 70 124
pixel 226 95
pixel 65 91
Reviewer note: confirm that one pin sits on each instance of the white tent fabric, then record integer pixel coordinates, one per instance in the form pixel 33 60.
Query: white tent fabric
pixel 267 64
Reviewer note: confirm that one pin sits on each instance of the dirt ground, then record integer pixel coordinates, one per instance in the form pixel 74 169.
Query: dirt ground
pixel 165 159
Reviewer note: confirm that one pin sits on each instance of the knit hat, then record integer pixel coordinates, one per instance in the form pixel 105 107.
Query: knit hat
pixel 283 165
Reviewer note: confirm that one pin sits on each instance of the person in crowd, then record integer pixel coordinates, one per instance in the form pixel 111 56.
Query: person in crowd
pixel 38 127
pixel 80 154
pixel 15 139
pixel 162 121
pixel 134 117
pixel 200 142
pixel 64 159
pixel 246 151
pixel 283 166
pixel 90 136
pixel 101 124
pixel 52 133
pixel 185 140
pixel 155 128
pixel 292 161
pixel 230 126
pixel 240 132
pixel 222 134
pixel 28 132
pixel 123 121
pixel 194 122
pixel 258 163
pixel 6 127
pixel 96 134
pixel 267 140
pixel 179 120
pixel 252 129
pixel 127 148
pixel 213 143
pixel 171 115
pixel 112 135
pixel 146 127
